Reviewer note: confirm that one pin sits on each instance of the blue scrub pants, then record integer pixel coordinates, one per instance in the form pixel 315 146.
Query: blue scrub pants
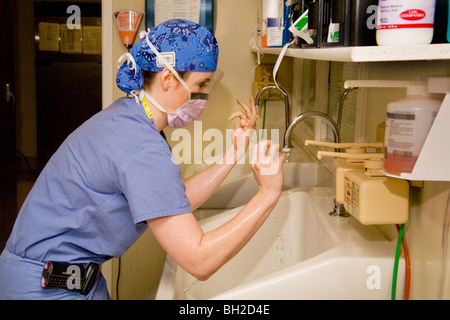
pixel 20 279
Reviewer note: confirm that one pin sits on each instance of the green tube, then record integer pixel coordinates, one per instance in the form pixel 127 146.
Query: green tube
pixel 397 258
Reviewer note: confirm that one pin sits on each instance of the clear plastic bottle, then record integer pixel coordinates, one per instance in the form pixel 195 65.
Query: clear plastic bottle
pixel 405 22
pixel 408 123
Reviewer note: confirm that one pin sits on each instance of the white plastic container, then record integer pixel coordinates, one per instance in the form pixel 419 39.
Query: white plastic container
pixel 405 22
pixel 272 29
pixel 408 123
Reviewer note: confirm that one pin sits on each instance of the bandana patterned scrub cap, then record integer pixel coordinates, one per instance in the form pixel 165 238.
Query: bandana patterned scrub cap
pixel 186 45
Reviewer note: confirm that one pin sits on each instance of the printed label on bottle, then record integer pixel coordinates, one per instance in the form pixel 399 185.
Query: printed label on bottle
pixel 355 200
pixel 400 133
pixel 405 134
pixel 397 14
pixel 351 197
pixel 348 195
pixel 274 32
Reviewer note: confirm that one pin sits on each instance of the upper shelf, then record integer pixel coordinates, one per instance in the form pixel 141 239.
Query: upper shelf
pixel 369 54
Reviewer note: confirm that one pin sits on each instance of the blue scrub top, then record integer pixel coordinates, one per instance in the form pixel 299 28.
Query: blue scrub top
pixel 92 200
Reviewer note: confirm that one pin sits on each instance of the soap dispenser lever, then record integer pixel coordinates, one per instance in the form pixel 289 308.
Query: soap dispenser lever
pixel 344 145
pixel 351 156
pixel 354 151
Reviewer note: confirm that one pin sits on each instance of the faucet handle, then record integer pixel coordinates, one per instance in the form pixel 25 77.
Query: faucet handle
pixel 349 145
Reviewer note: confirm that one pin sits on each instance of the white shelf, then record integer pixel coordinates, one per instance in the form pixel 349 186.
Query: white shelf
pixel 369 54
pixel 433 163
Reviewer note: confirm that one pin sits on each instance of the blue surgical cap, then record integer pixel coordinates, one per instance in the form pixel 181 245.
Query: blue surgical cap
pixel 191 46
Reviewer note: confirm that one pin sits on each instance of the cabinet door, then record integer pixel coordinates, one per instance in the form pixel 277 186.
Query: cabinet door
pixel 8 183
pixel 70 95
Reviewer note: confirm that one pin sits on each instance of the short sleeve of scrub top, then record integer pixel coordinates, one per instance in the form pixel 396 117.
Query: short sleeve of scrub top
pixel 150 181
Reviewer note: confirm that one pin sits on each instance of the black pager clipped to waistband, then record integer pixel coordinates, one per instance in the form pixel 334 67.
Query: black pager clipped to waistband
pixel 73 277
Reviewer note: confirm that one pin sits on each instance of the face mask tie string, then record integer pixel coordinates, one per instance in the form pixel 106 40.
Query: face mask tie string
pixel 130 61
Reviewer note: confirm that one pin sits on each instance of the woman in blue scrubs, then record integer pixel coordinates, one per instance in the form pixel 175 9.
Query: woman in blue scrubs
pixel 115 176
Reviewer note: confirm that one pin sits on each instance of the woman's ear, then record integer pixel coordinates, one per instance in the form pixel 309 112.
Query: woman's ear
pixel 168 79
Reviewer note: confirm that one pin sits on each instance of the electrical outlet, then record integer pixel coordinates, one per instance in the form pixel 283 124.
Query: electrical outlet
pixel 264 78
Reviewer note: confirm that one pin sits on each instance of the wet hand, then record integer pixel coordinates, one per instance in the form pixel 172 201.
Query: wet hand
pixel 244 129
pixel 267 167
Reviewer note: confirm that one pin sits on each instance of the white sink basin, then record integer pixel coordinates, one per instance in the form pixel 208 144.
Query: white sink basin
pixel 299 253
pixel 240 186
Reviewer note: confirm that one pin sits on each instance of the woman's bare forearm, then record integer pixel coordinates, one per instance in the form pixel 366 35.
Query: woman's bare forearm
pixel 202 254
pixel 201 186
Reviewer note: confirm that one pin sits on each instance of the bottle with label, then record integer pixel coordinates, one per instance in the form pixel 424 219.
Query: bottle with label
pixel 273 24
pixel 405 22
pixel 408 122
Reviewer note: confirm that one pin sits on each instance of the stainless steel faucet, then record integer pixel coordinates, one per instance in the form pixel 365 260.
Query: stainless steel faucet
pixel 286 101
pixel 307 115
pixel 339 210
pixel 341 105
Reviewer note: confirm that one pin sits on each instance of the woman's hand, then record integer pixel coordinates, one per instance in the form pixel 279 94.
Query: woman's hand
pixel 243 130
pixel 268 168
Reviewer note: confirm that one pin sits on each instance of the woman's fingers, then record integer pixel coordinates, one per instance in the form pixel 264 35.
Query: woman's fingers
pixel 239 114
pixel 244 106
pixel 248 116
pixel 266 157
pixel 267 167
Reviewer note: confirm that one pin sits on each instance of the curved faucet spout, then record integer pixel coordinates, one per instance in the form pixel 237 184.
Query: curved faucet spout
pixel 339 210
pixel 307 115
pixel 286 100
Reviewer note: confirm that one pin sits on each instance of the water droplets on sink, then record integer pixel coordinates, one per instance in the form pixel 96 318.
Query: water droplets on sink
pixel 186 290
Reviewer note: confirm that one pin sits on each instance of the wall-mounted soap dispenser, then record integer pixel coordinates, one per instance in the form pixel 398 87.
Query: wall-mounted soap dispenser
pixel 366 193
pixel 370 196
